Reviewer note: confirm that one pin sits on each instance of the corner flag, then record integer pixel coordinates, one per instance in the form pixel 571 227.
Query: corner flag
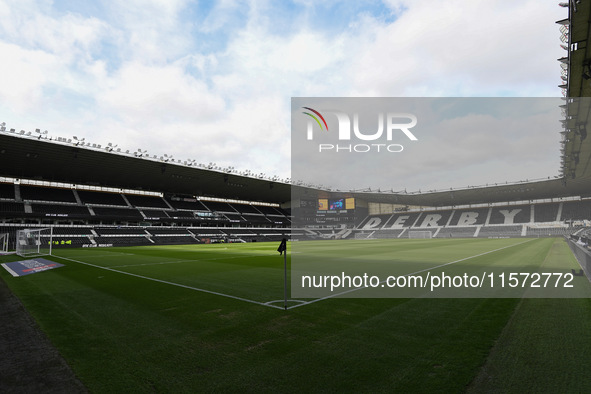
pixel 281 249
pixel 282 246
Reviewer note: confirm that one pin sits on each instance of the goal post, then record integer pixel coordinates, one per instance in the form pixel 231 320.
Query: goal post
pixel 4 242
pixel 34 242
pixel 420 234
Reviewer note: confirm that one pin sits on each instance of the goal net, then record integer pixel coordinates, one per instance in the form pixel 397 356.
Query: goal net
pixel 422 234
pixel 34 242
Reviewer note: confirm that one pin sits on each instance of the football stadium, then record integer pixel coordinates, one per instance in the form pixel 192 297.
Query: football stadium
pixel 124 271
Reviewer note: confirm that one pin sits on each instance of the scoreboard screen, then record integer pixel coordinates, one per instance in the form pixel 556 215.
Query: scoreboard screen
pixel 350 203
pixel 337 205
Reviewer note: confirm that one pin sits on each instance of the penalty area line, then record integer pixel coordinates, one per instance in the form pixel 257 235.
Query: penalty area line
pixel 173 283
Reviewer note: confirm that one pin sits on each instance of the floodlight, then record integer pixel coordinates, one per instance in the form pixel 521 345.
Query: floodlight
pixel 41 133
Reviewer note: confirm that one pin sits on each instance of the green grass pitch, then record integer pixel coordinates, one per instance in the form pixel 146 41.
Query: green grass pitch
pixel 197 318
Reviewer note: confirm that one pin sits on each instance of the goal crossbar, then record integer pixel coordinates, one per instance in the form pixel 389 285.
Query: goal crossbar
pixel 34 242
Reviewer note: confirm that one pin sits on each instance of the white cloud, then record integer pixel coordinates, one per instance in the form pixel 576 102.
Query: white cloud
pixel 151 31
pixel 138 75
pixel 23 75
pixel 141 94
pixel 463 48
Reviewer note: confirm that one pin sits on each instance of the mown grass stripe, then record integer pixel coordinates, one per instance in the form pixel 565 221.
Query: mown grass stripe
pixel 173 284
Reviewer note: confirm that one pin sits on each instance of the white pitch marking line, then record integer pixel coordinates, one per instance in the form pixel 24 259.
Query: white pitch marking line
pixel 173 284
pixel 412 273
pixel 289 300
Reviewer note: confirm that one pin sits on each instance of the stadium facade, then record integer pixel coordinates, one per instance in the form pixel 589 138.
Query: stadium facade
pixel 80 190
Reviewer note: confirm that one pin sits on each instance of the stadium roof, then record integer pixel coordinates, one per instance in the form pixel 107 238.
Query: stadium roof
pixel 40 159
pixel 526 191
pixel 28 157
pixel 576 37
pixel 576 76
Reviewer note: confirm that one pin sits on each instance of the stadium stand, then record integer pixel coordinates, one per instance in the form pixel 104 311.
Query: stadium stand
pixel 234 217
pixel 245 209
pixel 107 215
pixel 525 220
pixel 384 234
pixel 500 232
pixel 546 213
pixel 60 210
pixel 7 191
pixel 405 219
pixel 181 214
pixel 119 231
pixel 146 201
pixel 72 231
pixel 168 231
pixel 256 220
pixel 155 213
pixel 469 216
pixel 124 241
pixel 510 214
pixel 282 221
pixel 374 222
pixel 187 205
pixel 101 198
pixel 123 213
pixel 433 219
pixel 215 206
pixel 35 193
pixel 7 207
pixel 457 232
pixel 549 231
pixel 576 210
pixel 206 232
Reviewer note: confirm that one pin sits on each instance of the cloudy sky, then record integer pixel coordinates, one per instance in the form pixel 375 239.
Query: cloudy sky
pixel 212 81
